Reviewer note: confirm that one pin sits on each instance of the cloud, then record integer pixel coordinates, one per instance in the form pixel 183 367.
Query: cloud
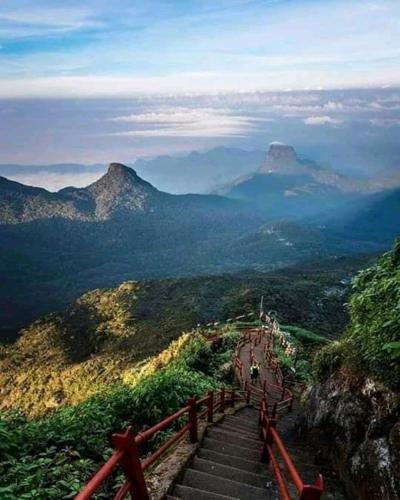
pixel 321 120
pixel 384 122
pixel 188 122
pixel 45 20
pixel 55 181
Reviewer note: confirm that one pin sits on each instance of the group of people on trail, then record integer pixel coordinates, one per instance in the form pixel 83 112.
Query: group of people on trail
pixel 254 372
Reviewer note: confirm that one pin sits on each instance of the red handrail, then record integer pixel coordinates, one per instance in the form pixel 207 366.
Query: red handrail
pixel 127 444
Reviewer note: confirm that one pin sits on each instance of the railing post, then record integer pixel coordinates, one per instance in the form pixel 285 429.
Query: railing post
pixel 313 491
pixel 210 406
pixel 193 420
pixel 131 464
pixel 265 386
pixel 233 397
pixel 222 396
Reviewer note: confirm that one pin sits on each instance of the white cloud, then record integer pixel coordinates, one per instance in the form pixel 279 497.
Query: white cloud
pixel 321 120
pixel 188 122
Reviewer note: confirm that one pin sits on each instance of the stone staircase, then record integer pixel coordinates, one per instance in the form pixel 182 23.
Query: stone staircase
pixel 228 464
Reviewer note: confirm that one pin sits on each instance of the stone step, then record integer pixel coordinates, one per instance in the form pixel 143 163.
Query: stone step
pixel 222 486
pixel 226 437
pixel 188 493
pixel 250 424
pixel 239 463
pixel 239 431
pixel 239 427
pixel 232 449
pixel 232 473
pixel 247 412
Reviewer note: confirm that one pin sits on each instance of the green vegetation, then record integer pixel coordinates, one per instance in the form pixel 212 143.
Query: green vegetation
pixel 53 457
pixel 106 336
pixel 306 343
pixel 370 346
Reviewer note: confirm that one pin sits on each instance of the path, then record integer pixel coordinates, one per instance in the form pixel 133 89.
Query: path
pixel 303 452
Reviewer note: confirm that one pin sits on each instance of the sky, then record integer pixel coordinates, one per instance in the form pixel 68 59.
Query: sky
pixel 98 81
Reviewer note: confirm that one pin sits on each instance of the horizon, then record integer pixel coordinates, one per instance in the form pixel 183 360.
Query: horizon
pixel 91 83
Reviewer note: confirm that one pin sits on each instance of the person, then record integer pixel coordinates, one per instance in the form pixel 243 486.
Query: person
pixel 254 372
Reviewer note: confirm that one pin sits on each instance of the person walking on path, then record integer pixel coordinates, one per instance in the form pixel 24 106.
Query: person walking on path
pixel 254 372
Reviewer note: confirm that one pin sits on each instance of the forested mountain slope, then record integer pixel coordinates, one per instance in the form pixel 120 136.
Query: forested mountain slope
pixel 106 334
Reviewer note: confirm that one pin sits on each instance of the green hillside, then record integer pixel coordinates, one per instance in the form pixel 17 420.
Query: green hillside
pixel 107 335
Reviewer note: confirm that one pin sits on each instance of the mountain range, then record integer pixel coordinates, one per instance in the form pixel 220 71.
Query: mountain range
pixel 56 246
pixel 195 172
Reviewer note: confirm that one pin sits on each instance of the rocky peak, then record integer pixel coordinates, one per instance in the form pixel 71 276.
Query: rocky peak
pixel 281 158
pixel 281 153
pixel 121 189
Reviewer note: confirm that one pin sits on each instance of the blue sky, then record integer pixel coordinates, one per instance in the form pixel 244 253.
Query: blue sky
pixel 100 81
pixel 53 48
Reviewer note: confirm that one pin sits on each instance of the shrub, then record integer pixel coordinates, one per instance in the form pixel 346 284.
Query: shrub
pixel 53 457
pixel 375 319
pixel 327 360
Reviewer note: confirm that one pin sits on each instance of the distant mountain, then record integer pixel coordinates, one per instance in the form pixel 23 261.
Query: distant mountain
pixel 291 187
pixel 196 172
pixel 56 246
pixel 118 192
pixel 199 172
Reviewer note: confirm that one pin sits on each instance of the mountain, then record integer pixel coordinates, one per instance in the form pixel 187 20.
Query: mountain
pixel 291 187
pixel 56 246
pixel 199 172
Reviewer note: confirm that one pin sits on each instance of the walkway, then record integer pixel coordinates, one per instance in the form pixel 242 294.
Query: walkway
pixel 303 452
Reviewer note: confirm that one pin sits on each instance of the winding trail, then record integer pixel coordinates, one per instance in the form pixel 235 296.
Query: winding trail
pixel 301 448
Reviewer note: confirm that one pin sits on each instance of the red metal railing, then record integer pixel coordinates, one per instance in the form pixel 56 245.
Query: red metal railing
pixel 127 445
pixel 127 456
pixel 279 391
pixel 272 439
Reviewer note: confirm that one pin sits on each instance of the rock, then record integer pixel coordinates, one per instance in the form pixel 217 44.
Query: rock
pixel 357 422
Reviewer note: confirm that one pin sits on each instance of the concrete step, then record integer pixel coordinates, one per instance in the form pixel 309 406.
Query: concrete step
pixel 188 493
pixel 226 437
pixel 222 486
pixel 255 467
pixel 216 469
pixel 232 449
